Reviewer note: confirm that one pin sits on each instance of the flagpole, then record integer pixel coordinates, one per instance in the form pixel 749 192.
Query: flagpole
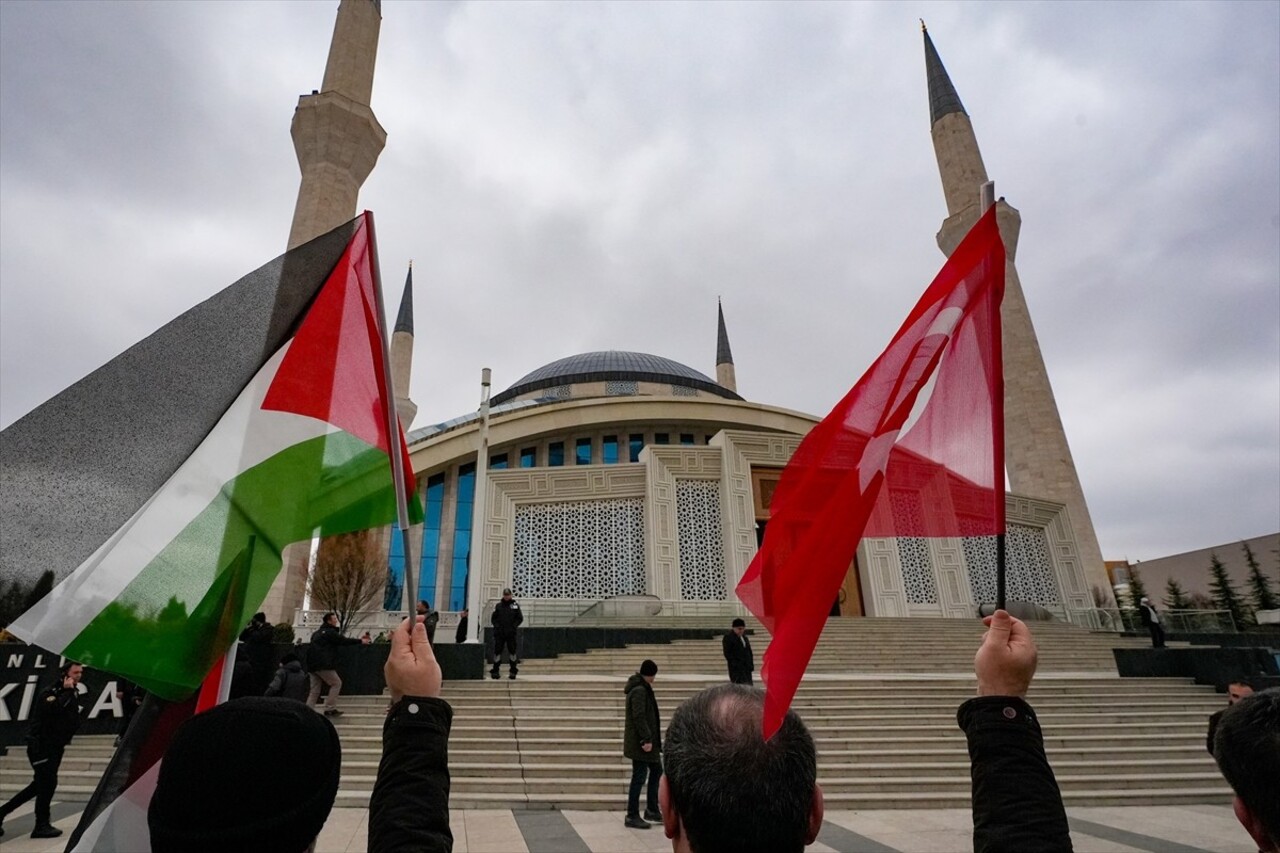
pixel 478 514
pixel 389 412
pixel 986 200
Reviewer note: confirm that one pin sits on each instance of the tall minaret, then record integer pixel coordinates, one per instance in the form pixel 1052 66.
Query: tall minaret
pixel 1037 456
pixel 338 140
pixel 335 133
pixel 402 354
pixel 725 376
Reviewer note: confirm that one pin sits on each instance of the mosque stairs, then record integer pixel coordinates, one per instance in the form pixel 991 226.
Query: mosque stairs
pixel 880 699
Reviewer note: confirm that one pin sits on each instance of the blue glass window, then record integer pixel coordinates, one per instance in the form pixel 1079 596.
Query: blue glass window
pixel 393 594
pixel 393 599
pixel 529 457
pixel 582 453
pixel 498 462
pixel 609 449
pixel 462 535
pixel 555 453
pixel 661 438
pixel 636 444
pixel 686 438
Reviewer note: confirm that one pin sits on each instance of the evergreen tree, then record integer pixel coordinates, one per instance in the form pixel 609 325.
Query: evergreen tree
pixel 1224 593
pixel 39 591
pixel 1137 591
pixel 1259 584
pixel 1175 598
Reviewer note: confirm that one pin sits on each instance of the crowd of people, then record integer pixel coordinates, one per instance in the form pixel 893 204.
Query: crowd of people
pixel 713 783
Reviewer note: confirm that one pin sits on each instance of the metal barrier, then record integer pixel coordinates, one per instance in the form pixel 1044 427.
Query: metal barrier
pixel 1096 619
pixel 1185 621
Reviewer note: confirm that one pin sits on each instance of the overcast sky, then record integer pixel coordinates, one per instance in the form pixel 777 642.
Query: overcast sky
pixel 573 177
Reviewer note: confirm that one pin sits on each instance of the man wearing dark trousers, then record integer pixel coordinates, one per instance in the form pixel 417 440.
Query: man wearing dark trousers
pixel 1151 621
pixel 55 718
pixel 506 619
pixel 737 652
pixel 642 743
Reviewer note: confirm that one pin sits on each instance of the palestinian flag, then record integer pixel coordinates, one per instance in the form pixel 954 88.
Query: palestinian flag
pixel 168 482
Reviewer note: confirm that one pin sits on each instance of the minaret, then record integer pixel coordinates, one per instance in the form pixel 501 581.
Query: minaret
pixel 725 376
pixel 1037 457
pixel 338 140
pixel 402 354
pixel 335 134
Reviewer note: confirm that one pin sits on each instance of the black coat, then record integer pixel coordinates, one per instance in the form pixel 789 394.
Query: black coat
pixel 643 723
pixel 290 682
pixel 1016 802
pixel 323 653
pixel 54 718
pixel 460 636
pixel 741 661
pixel 409 809
pixel 506 617
pixel 1145 611
pixel 257 644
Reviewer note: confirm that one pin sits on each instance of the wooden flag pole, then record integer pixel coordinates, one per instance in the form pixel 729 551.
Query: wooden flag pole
pixel 392 421
pixel 986 200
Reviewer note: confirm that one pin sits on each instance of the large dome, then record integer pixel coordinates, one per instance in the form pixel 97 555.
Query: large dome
pixel 613 366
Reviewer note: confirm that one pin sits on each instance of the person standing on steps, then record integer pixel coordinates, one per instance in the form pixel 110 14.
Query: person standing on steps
pixel 1151 621
pixel 460 636
pixel 55 718
pixel 430 618
pixel 642 743
pixel 506 619
pixel 322 658
pixel 737 651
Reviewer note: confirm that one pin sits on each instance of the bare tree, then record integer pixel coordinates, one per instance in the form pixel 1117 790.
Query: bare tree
pixel 348 574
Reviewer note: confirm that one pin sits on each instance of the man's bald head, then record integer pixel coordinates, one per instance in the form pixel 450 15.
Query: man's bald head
pixel 728 789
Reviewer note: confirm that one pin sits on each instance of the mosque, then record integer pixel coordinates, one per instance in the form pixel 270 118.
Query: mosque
pixel 625 482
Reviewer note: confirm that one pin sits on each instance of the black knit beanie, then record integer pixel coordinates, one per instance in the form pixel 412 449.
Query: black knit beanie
pixel 258 773
pixel 648 668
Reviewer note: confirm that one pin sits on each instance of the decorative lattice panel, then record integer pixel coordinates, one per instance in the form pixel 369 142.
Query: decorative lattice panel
pixel 579 549
pixel 701 550
pixel 1029 572
pixel 621 388
pixel 559 392
pixel 913 551
pixel 683 391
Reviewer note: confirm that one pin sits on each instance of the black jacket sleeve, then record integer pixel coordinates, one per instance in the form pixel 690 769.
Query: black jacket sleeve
pixel 409 809
pixel 1016 802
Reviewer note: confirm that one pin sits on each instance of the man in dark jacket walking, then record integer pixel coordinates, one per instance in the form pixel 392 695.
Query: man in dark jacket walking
pixel 55 718
pixel 506 619
pixel 642 743
pixel 322 657
pixel 1151 621
pixel 737 651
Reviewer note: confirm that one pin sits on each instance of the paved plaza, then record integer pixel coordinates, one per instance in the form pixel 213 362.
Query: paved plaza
pixel 1158 829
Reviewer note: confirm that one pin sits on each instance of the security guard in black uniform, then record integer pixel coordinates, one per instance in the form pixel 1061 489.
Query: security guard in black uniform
pixel 54 721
